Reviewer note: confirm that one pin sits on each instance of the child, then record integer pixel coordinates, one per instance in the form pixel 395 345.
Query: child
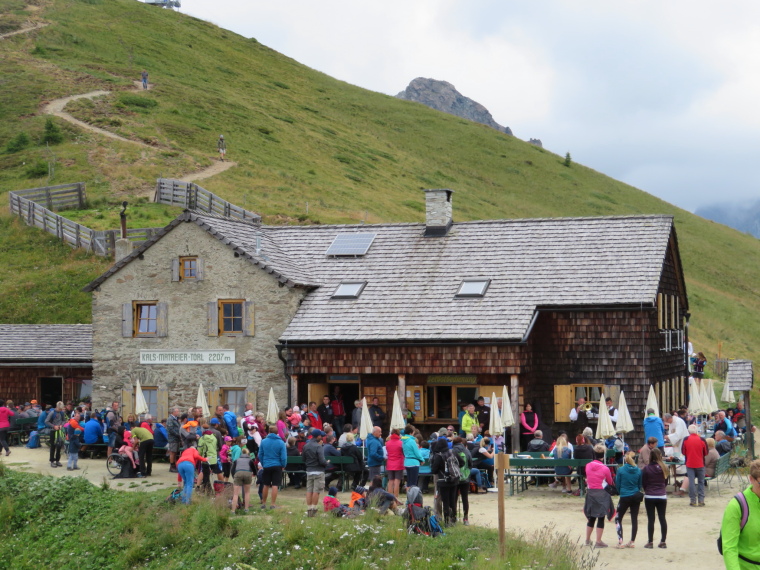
pixel 225 456
pixel 235 450
pixel 330 501
pixel 358 501
pixel 75 443
pixel 128 450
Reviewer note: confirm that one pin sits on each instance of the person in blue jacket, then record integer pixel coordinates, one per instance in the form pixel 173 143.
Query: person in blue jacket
pixel 230 420
pixel 628 483
pixel 654 427
pixel 93 431
pixel 375 455
pixel 273 456
pixel 160 435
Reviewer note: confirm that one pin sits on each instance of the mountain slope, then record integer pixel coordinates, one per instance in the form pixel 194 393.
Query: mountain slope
pixel 309 148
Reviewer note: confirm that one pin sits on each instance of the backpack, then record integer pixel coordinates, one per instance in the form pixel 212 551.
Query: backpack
pixel 452 474
pixel 464 470
pixel 745 517
pixel 34 440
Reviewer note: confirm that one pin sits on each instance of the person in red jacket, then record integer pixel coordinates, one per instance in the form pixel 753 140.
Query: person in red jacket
pixel 394 465
pixel 695 451
pixel 186 467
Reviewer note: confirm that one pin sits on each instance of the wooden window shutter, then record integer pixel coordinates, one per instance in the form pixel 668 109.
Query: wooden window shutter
pixel 127 402
pixel 249 326
pixel 213 319
pixel 673 312
pixel 162 319
pixel 175 269
pixel 250 396
pixel 564 401
pixel 162 404
pixel 212 399
pixel 659 311
pixel 199 269
pixel 126 320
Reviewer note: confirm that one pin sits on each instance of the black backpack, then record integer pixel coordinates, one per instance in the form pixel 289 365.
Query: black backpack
pixel 451 471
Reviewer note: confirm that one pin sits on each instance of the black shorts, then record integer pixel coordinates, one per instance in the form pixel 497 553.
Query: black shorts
pixel 271 477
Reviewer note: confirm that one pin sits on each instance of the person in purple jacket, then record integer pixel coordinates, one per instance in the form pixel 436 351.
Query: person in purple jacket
pixel 654 479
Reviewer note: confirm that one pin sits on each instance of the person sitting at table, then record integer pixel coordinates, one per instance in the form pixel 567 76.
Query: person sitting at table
pixel 563 451
pixel 485 457
pixel 537 443
pixel 711 461
pixel 724 424
pixel 646 452
pixel 588 433
pixel 582 450
pixel 722 444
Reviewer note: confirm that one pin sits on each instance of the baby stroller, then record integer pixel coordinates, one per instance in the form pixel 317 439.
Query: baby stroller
pixel 418 518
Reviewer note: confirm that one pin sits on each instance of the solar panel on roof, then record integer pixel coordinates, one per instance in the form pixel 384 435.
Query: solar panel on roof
pixel 350 244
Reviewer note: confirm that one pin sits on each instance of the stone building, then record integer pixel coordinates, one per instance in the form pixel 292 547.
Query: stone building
pixel 442 312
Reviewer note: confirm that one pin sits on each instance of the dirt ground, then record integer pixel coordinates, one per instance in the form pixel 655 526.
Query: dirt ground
pixel 692 532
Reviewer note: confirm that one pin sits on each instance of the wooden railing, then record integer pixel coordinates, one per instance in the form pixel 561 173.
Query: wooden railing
pixel 193 197
pixel 35 206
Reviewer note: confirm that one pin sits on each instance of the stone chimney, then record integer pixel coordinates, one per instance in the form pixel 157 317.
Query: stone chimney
pixel 438 212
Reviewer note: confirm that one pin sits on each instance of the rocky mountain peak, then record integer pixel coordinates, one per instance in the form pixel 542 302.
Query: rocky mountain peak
pixel 443 96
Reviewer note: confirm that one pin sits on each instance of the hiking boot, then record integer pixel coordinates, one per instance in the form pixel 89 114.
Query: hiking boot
pixel 69 469
pixel 692 504
pixel 173 469
pixel 58 464
pixel 648 545
pixel 53 464
pixel 702 504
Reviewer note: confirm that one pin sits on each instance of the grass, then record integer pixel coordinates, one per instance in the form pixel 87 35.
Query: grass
pixel 141 530
pixel 300 137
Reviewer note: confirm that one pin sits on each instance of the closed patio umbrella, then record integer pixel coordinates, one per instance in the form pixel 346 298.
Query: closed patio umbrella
pixel 652 402
pixel 507 418
pixel 365 427
pixel 711 394
pixel 495 426
pixel 695 401
pixel 273 410
pixel 604 427
pixel 397 416
pixel 624 423
pixel 141 406
pixel 728 395
pixel 200 401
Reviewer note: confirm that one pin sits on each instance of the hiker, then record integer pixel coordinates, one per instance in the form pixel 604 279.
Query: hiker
pixel 654 480
pixel 375 455
pixel 315 463
pixel 412 456
pixel 207 447
pixel 598 505
pixel 446 484
pixel 172 429
pixel 75 444
pixel 186 466
pixel 628 483
pixel 380 498
pixel 144 75
pixel 273 457
pixel 6 412
pixel 741 549
pixel 463 487
pixel 145 451
pixel 54 421
pixel 221 146
pixel 349 449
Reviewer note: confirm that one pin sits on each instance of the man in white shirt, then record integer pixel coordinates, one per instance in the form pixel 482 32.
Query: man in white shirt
pixel 580 417
pixel 612 410
pixel 677 432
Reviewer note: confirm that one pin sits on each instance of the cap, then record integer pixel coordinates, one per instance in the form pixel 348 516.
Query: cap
pixel 248 413
pixel 34 402
pixel 315 432
pixel 214 421
pixel 296 409
pixel 227 438
pixel 332 491
pixel 77 431
pixel 360 490
pixel 28 404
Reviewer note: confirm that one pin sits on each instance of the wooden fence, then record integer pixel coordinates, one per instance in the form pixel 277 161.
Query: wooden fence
pixel 193 197
pixel 24 203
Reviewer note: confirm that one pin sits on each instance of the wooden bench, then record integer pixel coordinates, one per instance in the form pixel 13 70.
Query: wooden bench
pixel 521 469
pixel 721 469
pixel 19 434
pixel 340 462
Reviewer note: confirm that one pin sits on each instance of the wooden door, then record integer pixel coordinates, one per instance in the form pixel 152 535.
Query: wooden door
pixel 564 401
pixel 379 392
pixel 415 402
pixel 317 391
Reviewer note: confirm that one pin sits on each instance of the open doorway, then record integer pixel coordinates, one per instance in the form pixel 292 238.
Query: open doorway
pixel 51 390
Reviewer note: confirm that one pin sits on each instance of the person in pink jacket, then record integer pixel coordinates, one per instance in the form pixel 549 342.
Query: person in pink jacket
pixel 528 426
pixel 394 465
pixel 6 411
pixel 598 501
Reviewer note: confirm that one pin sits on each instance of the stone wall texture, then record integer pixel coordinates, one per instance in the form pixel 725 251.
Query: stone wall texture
pixel 116 359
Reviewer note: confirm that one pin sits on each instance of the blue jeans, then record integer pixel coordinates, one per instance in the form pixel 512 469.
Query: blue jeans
pixel 187 471
pixel 478 476
pixel 73 458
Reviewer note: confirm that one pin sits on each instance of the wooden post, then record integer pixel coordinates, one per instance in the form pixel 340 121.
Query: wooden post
pixel 748 423
pixel 502 463
pixel 402 391
pixel 49 199
pixel 515 394
pixel 80 194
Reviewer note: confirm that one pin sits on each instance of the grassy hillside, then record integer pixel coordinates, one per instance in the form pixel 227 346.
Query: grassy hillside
pixel 302 138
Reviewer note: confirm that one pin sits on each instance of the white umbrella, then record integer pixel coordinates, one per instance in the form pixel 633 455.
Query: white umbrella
pixel 604 427
pixel 695 401
pixel 273 411
pixel 705 397
pixel 728 394
pixel 397 416
pixel 495 426
pixel 507 418
pixel 624 423
pixel 141 406
pixel 711 393
pixel 365 427
pixel 200 402
pixel 652 402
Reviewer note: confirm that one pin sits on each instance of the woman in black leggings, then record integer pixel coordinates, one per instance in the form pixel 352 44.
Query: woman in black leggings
pixel 628 483
pixel 654 479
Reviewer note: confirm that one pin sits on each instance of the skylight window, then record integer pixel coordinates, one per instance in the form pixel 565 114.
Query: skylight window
pixel 350 244
pixel 473 287
pixel 349 290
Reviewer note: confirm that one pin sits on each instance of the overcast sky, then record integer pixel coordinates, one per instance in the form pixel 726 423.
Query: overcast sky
pixel 662 95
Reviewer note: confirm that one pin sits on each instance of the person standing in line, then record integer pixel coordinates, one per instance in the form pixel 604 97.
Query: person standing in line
pixel 54 421
pixel 445 491
pixel 598 503
pixel 315 464
pixel 528 426
pixel 695 451
pixel 628 483
pixel 221 146
pixel 375 455
pixel 412 456
pixel 6 413
pixel 173 434
pixel 394 465
pixel 654 480
pixel 144 76
pixel 273 457
pixel 741 548
pixel 376 413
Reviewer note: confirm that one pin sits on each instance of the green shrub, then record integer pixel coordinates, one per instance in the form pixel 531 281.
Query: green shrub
pixel 265 130
pixel 53 134
pixel 568 160
pixel 139 101
pixel 17 143
pixel 37 170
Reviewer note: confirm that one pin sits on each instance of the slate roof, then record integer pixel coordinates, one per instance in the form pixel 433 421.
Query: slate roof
pixel 45 343
pixel 412 280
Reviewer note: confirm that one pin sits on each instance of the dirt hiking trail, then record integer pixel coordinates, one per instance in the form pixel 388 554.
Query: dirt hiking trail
pixel 24 30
